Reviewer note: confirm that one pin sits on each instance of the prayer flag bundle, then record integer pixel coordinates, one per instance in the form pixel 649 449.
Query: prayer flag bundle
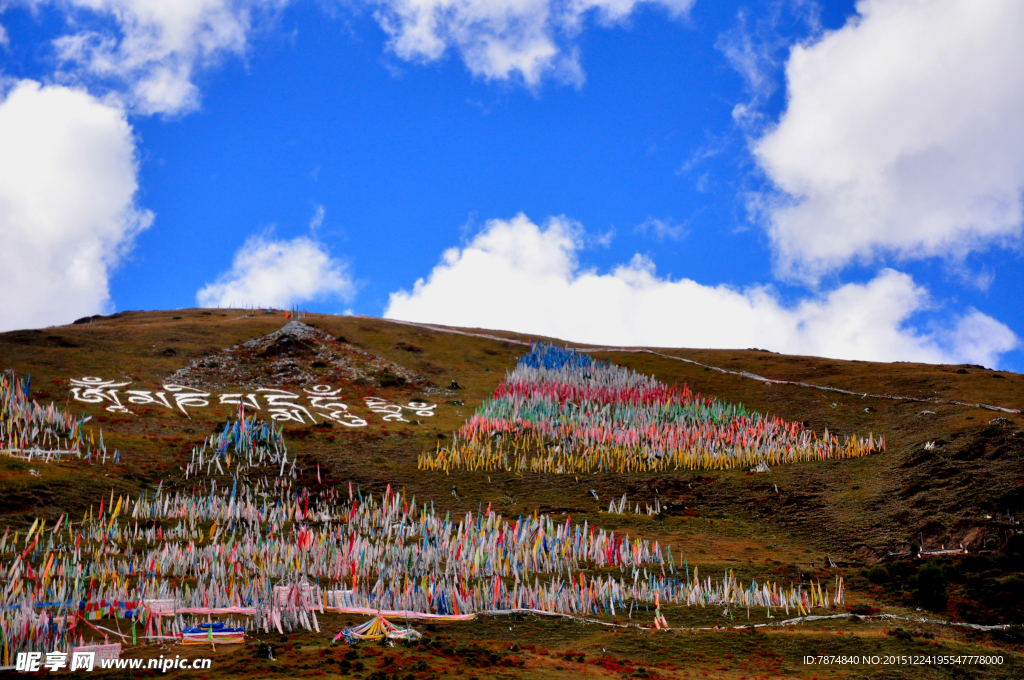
pixel 245 445
pixel 559 411
pixel 376 628
pixel 38 433
pixel 280 557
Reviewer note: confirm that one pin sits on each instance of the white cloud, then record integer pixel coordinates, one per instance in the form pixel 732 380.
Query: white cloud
pixel 518 276
pixel 4 38
pixel 663 228
pixel 986 335
pixel 68 179
pixel 901 136
pixel 503 39
pixel 756 46
pixel 317 220
pixel 148 52
pixel 153 48
pixel 278 274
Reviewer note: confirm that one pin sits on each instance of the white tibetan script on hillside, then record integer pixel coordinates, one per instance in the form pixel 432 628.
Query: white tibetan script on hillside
pixel 321 403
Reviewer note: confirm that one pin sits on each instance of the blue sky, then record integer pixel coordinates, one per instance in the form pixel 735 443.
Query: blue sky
pixel 650 178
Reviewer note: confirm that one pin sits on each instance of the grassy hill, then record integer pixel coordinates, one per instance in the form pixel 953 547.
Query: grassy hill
pixel 864 519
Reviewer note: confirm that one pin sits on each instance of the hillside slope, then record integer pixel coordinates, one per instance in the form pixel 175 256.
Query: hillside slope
pixel 950 476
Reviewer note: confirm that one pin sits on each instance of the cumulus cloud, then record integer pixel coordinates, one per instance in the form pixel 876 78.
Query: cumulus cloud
pixel 901 136
pixel 152 49
pixel 516 275
pixel 68 178
pixel 272 273
pixel 503 39
pixel 148 52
